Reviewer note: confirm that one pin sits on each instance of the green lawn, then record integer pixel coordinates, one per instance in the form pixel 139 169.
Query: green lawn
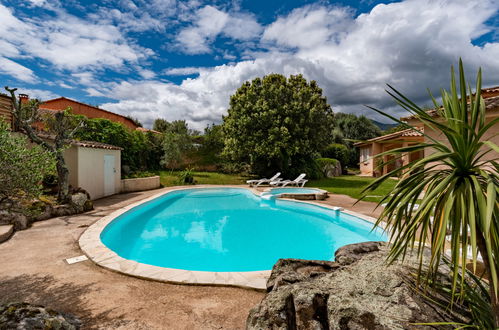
pixel 169 178
pixel 352 186
pixel 346 185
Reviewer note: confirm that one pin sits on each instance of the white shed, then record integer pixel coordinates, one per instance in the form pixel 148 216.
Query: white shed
pixel 95 167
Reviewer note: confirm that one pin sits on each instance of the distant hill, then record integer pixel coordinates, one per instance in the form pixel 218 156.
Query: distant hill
pixel 383 126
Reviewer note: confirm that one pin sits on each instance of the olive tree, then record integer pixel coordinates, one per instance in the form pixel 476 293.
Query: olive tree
pixel 23 166
pixel 276 123
pixel 62 127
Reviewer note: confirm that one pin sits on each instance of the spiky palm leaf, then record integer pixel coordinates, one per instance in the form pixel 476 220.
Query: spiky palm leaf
pixel 456 187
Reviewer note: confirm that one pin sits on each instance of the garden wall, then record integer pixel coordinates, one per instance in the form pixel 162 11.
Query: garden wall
pixel 140 184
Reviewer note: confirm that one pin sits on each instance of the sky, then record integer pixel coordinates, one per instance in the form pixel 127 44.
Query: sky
pixel 183 60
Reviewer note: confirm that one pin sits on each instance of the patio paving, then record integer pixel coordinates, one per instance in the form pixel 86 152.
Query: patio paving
pixel 33 269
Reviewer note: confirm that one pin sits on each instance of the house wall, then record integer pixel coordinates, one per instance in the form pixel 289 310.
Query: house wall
pixel 6 109
pixel 71 158
pixel 491 115
pixel 366 166
pixel 90 170
pixel 87 111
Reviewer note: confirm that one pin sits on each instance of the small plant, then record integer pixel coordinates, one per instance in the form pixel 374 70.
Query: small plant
pixel 187 176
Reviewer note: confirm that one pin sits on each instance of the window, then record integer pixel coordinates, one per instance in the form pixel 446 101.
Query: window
pixel 365 154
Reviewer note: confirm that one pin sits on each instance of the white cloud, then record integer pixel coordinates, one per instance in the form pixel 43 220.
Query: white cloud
pixel 67 42
pixel 211 22
pixel 409 44
pixel 16 70
pixel 38 93
pixel 309 26
pixel 185 71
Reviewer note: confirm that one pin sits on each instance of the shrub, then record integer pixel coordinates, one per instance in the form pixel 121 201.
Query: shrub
pixel 339 152
pixel 329 167
pixel 187 177
pixel 22 165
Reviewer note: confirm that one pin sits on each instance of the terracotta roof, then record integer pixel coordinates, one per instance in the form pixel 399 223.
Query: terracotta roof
pixel 88 105
pixel 84 144
pixel 142 129
pixel 93 144
pixel 404 133
pixel 490 97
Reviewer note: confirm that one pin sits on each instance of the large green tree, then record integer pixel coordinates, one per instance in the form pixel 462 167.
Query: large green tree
pixel 276 123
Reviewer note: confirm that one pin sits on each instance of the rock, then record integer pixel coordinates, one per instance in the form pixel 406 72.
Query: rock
pixel 26 316
pixel 19 220
pixel 348 254
pixel 359 292
pixel 331 171
pixel 78 200
pixel 287 271
pixel 5 232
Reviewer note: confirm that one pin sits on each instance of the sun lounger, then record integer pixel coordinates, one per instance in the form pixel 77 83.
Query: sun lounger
pixel 299 182
pixel 259 182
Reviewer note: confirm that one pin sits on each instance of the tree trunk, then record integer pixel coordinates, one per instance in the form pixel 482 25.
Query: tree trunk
pixel 493 297
pixel 63 177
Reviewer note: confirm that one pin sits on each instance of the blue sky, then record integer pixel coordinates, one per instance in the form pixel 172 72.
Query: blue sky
pixel 183 59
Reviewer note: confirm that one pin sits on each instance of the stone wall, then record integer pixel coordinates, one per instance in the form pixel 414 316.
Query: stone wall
pixel 140 184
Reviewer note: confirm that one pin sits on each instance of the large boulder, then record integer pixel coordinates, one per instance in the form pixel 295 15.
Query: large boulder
pixel 360 291
pixel 26 316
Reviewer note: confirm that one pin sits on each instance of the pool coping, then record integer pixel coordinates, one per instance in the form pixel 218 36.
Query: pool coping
pixel 92 246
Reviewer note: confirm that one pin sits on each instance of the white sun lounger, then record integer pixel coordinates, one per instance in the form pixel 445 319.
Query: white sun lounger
pixel 299 182
pixel 259 182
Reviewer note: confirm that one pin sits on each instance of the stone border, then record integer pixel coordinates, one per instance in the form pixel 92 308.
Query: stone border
pixel 140 184
pixel 91 244
pixel 319 195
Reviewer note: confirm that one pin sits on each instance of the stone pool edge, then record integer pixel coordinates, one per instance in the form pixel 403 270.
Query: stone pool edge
pixel 92 246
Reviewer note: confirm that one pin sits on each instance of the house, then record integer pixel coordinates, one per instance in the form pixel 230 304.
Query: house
pixel 89 111
pixel 491 99
pixel 370 148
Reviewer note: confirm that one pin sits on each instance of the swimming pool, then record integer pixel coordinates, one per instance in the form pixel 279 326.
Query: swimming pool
pixel 230 230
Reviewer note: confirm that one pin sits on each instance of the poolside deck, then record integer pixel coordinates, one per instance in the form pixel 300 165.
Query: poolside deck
pixel 33 269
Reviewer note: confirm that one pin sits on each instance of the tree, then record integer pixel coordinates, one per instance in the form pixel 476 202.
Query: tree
pixel 460 182
pixel 141 151
pixel 276 123
pixel 160 125
pixel 354 128
pixel 349 128
pixel 23 166
pixel 175 146
pixel 63 126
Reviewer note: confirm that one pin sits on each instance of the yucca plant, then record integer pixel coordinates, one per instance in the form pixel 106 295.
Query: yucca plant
pixel 456 187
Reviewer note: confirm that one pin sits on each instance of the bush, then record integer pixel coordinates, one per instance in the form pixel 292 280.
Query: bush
pixel 339 152
pixel 329 167
pixel 187 177
pixel 141 151
pixel 22 165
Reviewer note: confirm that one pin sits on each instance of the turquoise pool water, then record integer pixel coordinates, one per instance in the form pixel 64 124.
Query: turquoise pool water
pixel 230 229
pixel 277 191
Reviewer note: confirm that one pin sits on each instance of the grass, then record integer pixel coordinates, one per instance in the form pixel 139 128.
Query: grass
pixel 352 186
pixel 170 178
pixel 346 185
